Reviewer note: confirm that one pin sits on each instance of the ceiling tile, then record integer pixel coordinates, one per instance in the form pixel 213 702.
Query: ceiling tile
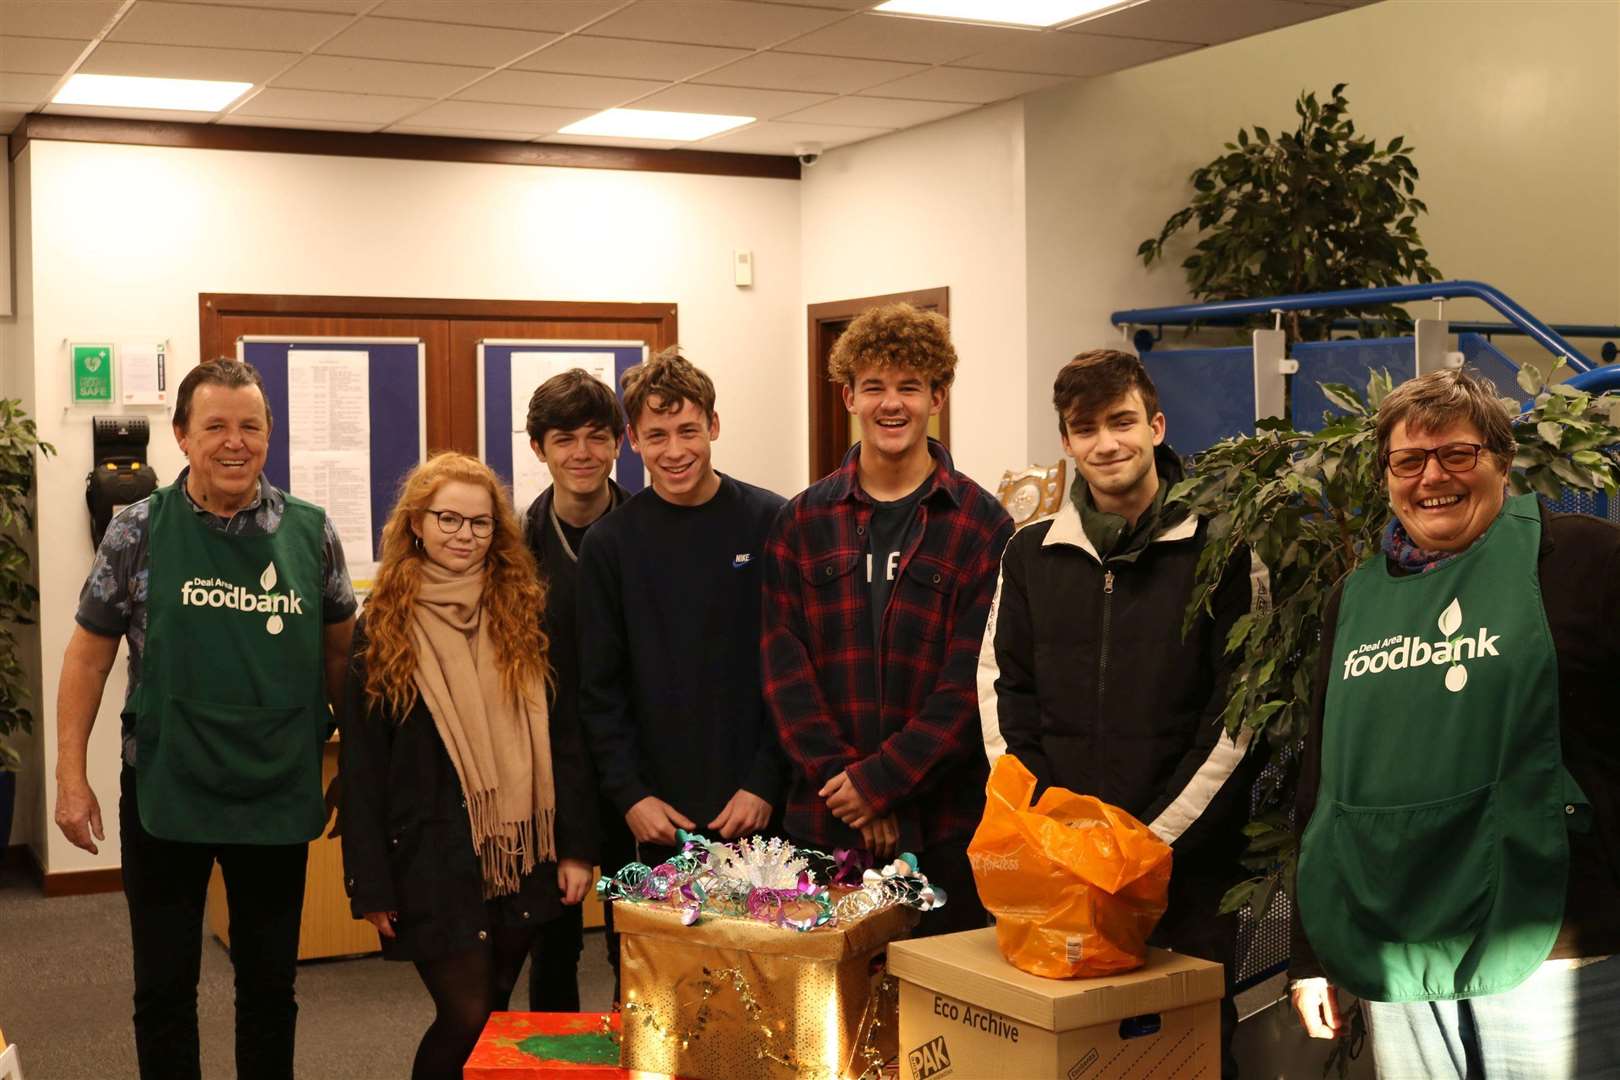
pixel 730 101
pixel 433 42
pixel 456 133
pixel 1075 54
pixel 731 23
pixel 845 5
pixel 159 23
pixel 179 116
pixel 185 62
pixel 25 87
pixel 1199 21
pixel 39 56
pixel 565 91
pixel 53 18
pixel 554 15
pixel 373 109
pixel 236 119
pixel 919 41
pixel 779 137
pixel 621 57
pixel 799 71
pixel 487 116
pixel 879 112
pixel 341 7
pixel 603 140
pixel 376 76
pixel 969 84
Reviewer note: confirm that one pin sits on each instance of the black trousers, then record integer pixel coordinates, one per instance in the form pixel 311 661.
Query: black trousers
pixel 1192 926
pixel 554 958
pixel 946 866
pixel 166 886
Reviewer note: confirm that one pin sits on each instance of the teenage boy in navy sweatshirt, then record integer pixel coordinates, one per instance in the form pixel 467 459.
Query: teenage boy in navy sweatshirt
pixel 669 621
pixel 574 428
pixel 878 581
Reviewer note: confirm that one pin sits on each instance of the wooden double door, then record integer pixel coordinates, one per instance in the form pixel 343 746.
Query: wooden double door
pixel 450 330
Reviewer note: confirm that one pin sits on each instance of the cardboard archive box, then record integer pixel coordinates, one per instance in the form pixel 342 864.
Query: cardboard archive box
pixel 967 1014
pixel 816 1011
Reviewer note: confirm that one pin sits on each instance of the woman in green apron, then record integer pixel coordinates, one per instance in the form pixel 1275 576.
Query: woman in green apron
pixel 1459 867
pixel 468 816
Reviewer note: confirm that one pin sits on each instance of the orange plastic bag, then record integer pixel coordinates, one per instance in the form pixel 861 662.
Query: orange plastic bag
pixel 1076 885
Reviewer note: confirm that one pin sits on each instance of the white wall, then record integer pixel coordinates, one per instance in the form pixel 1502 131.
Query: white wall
pixel 1513 107
pixel 938 205
pixel 124 238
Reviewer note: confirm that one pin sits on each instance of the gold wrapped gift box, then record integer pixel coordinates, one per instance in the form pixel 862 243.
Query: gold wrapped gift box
pixel 733 998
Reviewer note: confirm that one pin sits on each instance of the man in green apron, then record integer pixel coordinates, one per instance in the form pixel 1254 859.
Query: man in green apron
pixel 236 603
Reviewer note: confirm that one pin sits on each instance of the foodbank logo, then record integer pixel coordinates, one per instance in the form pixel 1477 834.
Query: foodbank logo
pixel 1399 652
pixel 214 593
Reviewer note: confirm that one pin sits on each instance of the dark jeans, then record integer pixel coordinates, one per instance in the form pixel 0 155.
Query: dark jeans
pixel 946 866
pixel 1191 926
pixel 166 886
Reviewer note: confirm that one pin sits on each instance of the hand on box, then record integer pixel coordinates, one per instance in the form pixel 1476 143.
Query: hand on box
pixel 744 813
pixel 1317 1005
pixel 573 880
pixel 654 821
pixel 846 803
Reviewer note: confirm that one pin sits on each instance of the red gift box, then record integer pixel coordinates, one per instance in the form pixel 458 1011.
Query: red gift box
pixel 528 1046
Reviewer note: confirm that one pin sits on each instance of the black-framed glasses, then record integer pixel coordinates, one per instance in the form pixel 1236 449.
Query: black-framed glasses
pixel 450 523
pixel 1454 457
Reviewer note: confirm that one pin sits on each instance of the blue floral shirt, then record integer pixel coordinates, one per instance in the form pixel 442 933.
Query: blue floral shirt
pixel 113 600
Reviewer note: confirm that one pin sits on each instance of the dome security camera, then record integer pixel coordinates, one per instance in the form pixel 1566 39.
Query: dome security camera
pixel 808 153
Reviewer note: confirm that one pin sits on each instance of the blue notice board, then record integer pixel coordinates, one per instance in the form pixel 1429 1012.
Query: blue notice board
pixel 1206 395
pixel 397 376
pixel 495 393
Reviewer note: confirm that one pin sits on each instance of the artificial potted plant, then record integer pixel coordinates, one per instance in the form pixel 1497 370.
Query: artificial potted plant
pixel 19 441
pixel 1311 210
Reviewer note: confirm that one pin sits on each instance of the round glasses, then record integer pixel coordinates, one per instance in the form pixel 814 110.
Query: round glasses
pixel 450 523
pixel 1454 457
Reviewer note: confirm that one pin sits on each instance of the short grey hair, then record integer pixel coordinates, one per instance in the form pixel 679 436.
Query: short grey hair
pixel 1439 399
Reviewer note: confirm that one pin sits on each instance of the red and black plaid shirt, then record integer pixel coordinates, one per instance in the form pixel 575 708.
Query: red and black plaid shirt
pixel 911 741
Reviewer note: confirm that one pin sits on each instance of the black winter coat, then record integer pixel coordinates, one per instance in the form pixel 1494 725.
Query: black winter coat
pixel 407 844
pixel 1086 678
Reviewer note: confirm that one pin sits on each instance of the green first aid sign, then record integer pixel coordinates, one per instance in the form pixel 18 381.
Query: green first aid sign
pixel 92 374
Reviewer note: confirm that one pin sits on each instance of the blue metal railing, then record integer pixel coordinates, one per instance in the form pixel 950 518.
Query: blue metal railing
pixel 1527 323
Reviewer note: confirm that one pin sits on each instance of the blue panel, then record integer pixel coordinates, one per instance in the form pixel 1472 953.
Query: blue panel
pixel 395 396
pixel 1348 362
pixel 1206 395
pixel 1491 362
pixel 497 404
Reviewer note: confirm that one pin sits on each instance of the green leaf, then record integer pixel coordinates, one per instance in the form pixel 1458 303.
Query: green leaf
pixel 1551 432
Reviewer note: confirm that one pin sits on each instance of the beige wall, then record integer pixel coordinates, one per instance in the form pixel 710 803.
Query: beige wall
pixel 124 238
pixel 1513 106
pixel 942 204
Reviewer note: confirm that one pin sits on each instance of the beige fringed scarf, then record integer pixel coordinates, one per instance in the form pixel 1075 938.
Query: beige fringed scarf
pixel 501 748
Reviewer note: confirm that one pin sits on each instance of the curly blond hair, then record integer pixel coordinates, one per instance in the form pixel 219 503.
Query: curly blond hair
pixel 514 598
pixel 895 336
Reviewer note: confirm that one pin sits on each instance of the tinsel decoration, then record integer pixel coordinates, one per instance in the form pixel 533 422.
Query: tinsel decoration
pixel 771 881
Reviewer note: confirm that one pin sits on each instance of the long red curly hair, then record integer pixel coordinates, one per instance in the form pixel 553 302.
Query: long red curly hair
pixel 514 597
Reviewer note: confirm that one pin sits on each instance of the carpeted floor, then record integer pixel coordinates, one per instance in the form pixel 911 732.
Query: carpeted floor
pixel 65 989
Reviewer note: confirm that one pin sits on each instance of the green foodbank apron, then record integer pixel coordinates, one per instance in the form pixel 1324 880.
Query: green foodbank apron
pixel 230 713
pixel 1436 861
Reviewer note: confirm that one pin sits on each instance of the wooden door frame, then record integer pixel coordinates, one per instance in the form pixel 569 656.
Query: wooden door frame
pixel 213 307
pixel 825 402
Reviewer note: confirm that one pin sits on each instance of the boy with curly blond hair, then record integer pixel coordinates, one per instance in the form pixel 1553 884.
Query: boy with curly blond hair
pixel 878 581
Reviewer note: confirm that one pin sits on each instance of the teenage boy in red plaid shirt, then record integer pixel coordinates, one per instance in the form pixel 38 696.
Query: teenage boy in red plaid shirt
pixel 878 581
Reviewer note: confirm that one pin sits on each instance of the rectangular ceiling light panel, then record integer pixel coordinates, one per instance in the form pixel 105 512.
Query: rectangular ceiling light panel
pixel 1005 12
pixel 653 124
pixel 132 92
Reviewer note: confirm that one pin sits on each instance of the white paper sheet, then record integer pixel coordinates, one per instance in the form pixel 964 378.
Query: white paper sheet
pixel 329 441
pixel 529 369
pixel 145 379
